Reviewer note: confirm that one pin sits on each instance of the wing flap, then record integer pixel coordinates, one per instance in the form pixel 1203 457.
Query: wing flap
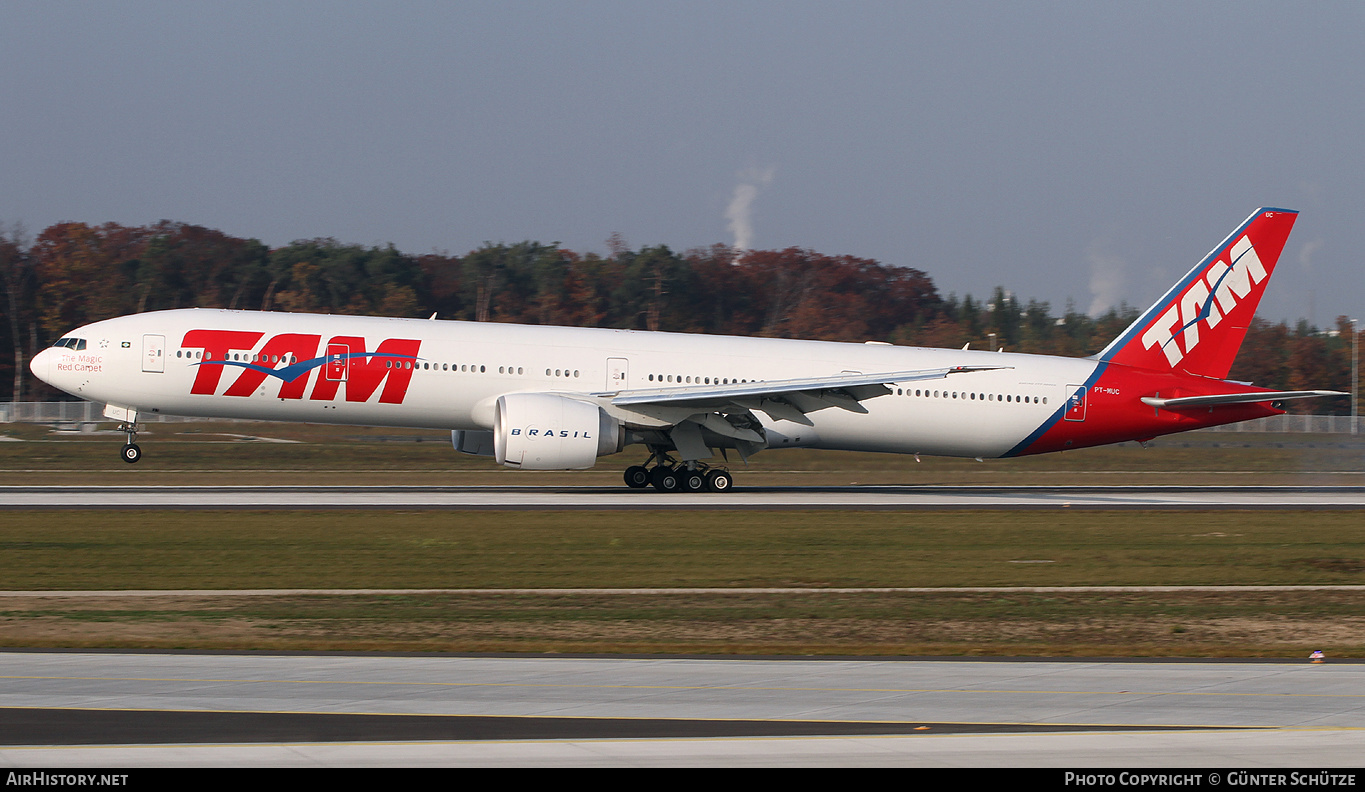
pixel 791 408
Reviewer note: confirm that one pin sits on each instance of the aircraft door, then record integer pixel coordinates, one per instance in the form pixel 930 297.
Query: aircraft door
pixel 338 362
pixel 154 353
pixel 618 373
pixel 1075 403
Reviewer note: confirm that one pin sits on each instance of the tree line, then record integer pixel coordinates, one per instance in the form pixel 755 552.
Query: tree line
pixel 74 273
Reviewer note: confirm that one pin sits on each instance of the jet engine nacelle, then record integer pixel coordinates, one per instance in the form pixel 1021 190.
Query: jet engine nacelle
pixel 542 431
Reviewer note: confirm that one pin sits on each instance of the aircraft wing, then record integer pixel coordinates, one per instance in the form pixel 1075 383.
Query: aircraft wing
pixel 781 399
pixel 1190 402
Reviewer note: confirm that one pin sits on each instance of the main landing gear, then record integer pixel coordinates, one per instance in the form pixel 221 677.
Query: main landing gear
pixel 130 452
pixel 671 476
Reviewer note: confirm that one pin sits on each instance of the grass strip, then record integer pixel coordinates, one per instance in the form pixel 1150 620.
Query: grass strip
pixel 115 549
pixel 1183 624
pixel 125 550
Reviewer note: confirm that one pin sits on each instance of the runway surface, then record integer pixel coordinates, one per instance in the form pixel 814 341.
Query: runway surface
pixel 560 497
pixel 111 709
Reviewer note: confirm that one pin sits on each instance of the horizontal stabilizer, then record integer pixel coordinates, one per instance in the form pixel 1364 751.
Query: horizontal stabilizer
pixel 1187 402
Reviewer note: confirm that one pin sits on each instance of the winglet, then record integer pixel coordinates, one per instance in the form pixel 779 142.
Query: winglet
pixel 1198 326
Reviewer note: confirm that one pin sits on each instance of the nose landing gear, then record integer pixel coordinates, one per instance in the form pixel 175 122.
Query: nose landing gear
pixel 131 453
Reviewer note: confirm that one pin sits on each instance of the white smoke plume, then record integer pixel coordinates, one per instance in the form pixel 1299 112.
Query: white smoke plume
pixel 1106 278
pixel 1306 254
pixel 739 212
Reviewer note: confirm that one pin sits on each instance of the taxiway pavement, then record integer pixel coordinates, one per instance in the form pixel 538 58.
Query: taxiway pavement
pixel 126 709
pixel 562 497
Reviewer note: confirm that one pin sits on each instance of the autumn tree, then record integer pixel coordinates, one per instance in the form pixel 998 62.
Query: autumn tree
pixel 16 276
pixel 326 276
pixel 86 273
pixel 186 266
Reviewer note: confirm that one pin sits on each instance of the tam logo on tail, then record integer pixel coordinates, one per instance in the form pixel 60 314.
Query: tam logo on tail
pixel 1199 324
pixel 1179 326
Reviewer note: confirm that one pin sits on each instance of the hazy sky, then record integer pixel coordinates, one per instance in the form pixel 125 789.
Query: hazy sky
pixel 1092 151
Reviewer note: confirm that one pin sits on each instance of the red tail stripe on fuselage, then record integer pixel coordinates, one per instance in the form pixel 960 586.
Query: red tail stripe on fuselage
pixel 1115 412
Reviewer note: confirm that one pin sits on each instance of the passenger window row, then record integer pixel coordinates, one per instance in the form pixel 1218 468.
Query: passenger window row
pixel 1007 398
pixel 685 380
pixel 243 357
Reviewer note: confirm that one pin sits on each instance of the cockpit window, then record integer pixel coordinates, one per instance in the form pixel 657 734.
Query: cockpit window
pixel 71 343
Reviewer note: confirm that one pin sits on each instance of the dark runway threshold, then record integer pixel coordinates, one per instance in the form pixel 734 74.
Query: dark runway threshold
pixel 24 726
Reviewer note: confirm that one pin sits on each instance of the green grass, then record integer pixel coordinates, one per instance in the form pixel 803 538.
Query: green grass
pixel 124 550
pixel 1279 624
pixel 613 549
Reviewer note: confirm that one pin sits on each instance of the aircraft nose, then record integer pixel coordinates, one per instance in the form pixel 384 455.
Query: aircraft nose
pixel 41 364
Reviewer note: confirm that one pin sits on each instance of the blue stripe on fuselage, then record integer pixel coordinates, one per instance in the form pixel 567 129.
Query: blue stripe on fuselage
pixel 1057 416
pixel 293 372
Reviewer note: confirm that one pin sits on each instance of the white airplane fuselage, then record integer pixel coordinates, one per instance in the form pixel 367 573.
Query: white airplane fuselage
pixel 461 368
pixel 556 398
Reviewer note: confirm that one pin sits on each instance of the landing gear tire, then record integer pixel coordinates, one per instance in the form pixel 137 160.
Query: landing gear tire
pixel 665 479
pixel 693 480
pixel 636 477
pixel 719 481
pixel 131 453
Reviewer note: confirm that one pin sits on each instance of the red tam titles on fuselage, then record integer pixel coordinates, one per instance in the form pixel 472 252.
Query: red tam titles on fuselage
pixel 292 357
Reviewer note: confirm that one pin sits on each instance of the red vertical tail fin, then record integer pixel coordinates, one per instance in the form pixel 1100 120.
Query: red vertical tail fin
pixel 1198 326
